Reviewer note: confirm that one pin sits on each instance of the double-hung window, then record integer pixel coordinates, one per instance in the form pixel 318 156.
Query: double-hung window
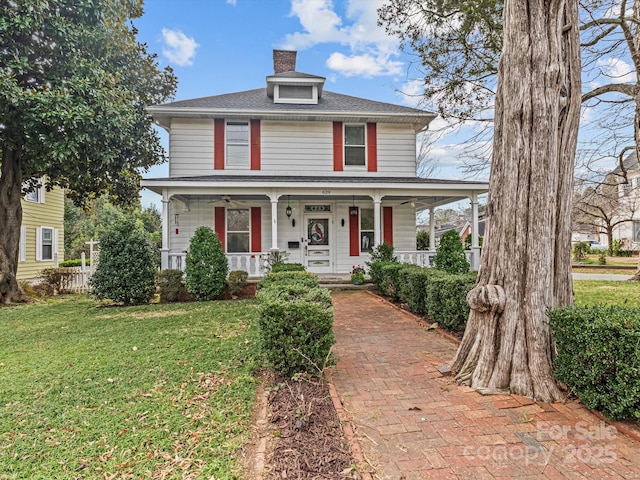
pixel 636 231
pixel 45 242
pixel 238 230
pixel 354 145
pixel 237 136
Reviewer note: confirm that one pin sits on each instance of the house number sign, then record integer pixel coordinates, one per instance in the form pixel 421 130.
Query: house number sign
pixel 317 208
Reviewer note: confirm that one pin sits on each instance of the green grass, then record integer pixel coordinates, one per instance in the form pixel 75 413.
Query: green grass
pixel 592 292
pixel 158 391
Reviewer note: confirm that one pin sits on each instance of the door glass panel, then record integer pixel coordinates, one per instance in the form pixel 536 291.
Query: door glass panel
pixel 318 231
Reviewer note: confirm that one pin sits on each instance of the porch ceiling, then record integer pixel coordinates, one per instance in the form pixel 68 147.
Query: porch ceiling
pixel 423 192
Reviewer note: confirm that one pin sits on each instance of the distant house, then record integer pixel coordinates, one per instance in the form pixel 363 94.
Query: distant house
pixel 293 167
pixel 42 232
pixel 629 196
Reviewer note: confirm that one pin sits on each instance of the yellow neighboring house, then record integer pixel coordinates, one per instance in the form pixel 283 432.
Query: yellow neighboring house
pixel 42 232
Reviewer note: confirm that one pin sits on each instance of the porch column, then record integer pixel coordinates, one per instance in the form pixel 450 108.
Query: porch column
pixel 164 251
pixel 475 237
pixel 274 221
pixel 432 229
pixel 377 223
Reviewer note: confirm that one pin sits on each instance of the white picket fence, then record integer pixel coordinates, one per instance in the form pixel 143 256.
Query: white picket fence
pixel 79 281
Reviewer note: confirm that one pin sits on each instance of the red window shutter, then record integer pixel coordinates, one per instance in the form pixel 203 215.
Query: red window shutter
pixel 256 229
pixel 354 234
pixel 387 220
pixel 218 144
pixel 338 151
pixel 372 147
pixel 220 223
pixel 255 144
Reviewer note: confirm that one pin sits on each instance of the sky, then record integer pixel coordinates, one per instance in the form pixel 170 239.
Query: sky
pixel 225 46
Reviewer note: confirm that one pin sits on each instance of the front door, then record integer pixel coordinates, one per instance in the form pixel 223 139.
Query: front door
pixel 318 251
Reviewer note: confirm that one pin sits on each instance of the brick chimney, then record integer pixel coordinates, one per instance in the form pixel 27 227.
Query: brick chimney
pixel 284 61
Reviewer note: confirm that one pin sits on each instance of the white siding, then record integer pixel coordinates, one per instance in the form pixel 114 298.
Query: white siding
pixel 396 150
pixel 303 148
pixel 200 213
pixel 288 148
pixel 191 148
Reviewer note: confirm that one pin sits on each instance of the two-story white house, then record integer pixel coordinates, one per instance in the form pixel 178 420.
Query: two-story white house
pixel 293 167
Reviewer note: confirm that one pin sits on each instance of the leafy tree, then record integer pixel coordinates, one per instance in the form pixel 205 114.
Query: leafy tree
pixel 206 265
pixel 83 224
pixel 526 261
pixel 127 265
pixel 450 255
pixel 74 83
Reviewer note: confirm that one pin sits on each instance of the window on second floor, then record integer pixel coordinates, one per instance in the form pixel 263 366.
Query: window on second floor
pixel 354 145
pixel 37 194
pixel 238 230
pixel 237 136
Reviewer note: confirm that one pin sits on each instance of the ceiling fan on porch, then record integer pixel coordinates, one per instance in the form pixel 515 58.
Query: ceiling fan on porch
pixel 412 201
pixel 225 201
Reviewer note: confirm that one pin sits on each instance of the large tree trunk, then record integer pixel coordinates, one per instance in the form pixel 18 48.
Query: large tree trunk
pixel 526 261
pixel 10 222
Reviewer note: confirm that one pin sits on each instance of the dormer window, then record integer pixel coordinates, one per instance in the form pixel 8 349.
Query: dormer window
pixel 307 94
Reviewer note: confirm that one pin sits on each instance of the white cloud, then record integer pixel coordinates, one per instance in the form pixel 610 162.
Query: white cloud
pixel 618 71
pixel 232 2
pixel 364 65
pixel 370 49
pixel 179 48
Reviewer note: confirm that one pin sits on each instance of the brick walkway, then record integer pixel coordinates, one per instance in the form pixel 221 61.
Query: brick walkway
pixel 412 423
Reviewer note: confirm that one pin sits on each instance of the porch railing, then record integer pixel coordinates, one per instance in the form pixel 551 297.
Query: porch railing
pixel 425 258
pixel 252 263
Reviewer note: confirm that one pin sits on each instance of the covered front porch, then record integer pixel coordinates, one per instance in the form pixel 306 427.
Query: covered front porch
pixel 328 224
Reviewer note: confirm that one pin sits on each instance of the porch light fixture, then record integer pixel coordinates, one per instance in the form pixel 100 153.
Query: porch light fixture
pixel 353 210
pixel 288 211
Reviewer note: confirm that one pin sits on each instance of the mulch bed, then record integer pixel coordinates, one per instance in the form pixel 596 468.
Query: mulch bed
pixel 307 441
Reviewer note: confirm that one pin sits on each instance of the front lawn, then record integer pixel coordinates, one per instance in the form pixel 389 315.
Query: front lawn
pixel 160 391
pixel 592 292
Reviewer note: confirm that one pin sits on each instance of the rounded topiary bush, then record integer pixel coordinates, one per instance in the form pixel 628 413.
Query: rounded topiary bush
pixel 169 284
pixel 206 265
pixel 126 267
pixel 450 255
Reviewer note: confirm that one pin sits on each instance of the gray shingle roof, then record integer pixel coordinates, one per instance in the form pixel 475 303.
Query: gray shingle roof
pixel 257 100
pixel 630 164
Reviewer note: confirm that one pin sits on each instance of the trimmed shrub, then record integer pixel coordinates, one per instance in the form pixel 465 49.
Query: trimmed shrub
pixel 126 268
pixel 306 279
pixel 414 287
pixel 169 284
pixel 382 253
pixel 206 265
pixel 446 299
pixel 422 240
pixel 599 357
pixel 237 281
pixel 450 255
pixel 288 267
pixel 59 279
pixel 403 287
pixel 295 325
pixel 375 272
pixel 76 262
pixel 390 284
pixel 580 250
